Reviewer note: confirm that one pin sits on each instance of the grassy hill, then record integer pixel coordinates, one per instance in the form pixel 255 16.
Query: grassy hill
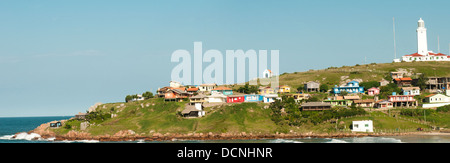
pixel 157 116
pixel 369 72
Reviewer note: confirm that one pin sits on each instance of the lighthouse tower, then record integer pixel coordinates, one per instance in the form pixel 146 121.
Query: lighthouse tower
pixel 422 47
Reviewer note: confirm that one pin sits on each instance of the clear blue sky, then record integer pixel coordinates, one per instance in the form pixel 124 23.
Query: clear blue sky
pixel 60 57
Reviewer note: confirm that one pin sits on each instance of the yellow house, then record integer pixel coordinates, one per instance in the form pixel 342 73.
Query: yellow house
pixel 284 89
pixel 266 90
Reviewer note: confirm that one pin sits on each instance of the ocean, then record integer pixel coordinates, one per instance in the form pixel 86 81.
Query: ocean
pixel 12 125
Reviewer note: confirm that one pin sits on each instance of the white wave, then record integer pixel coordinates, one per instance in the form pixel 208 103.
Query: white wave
pixel 285 141
pixel 6 137
pixel 376 140
pixel 26 136
pixel 336 141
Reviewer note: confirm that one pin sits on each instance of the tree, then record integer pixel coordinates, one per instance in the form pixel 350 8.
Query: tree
pixel 422 82
pixel 300 88
pixel 344 93
pixel 323 88
pixel 128 98
pixel 369 84
pixel 147 95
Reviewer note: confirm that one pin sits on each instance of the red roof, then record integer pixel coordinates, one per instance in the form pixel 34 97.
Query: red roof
pixel 438 54
pixel 402 79
pixel 222 88
pixel 415 55
pixel 192 89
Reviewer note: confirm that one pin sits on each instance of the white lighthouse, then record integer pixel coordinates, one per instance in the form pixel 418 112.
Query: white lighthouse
pixel 422 46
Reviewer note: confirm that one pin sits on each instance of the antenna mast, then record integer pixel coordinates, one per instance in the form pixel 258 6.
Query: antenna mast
pixel 395 48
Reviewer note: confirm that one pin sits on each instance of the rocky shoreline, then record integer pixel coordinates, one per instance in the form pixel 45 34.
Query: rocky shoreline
pixel 129 135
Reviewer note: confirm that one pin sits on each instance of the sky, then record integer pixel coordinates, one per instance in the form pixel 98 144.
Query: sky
pixel 60 57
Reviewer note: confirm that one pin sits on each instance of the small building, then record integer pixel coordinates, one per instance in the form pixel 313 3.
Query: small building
pixel 367 103
pixel 253 98
pixel 411 91
pixel 223 90
pixel 402 100
pixel 175 84
pixel 200 98
pixel 284 89
pixel 373 91
pixel 176 95
pixel 266 90
pixel 382 104
pixel 312 86
pixel 384 82
pixel 298 96
pixel 362 126
pixel 403 81
pixel 206 87
pixel 350 87
pixel 437 98
pixel 162 91
pixel 192 90
pixel 235 98
pixel 81 115
pixel 216 98
pixel 315 106
pixel 269 98
pixel 193 111
pixel 267 73
pixel 55 124
pixel 395 75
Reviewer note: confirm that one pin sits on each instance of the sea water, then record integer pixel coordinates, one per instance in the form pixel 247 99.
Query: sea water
pixel 11 126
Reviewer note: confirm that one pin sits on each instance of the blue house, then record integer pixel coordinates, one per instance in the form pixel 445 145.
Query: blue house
pixel 253 98
pixel 350 87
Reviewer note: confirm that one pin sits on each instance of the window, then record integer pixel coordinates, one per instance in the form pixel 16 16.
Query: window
pixel 366 125
pixel 355 125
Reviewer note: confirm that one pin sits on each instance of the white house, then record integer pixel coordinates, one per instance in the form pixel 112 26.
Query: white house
pixel 411 91
pixel 216 97
pixel 175 84
pixel 362 126
pixel 267 73
pixel 207 87
pixel 269 98
pixel 437 98
pixel 139 98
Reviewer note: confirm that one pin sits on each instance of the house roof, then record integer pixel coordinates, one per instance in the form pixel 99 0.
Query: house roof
pixel 241 95
pixel 352 97
pixel 410 88
pixel 189 109
pixel 210 84
pixel 221 88
pixel 415 55
pixel 198 96
pixel 403 79
pixel 438 54
pixel 364 101
pixel 316 104
pixel 192 89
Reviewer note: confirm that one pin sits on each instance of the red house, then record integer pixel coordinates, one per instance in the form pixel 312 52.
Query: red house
pixel 235 98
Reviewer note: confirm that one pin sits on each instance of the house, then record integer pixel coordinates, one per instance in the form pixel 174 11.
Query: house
pixel 367 103
pixel 139 98
pixel 350 87
pixel 193 111
pixel 269 98
pixel 402 100
pixel 266 90
pixel 174 84
pixel 216 98
pixel 383 104
pixel 253 98
pixel 81 115
pixel 437 98
pixel 223 90
pixel 298 96
pixel 373 91
pixel 312 86
pixel 395 75
pixel 313 106
pixel 434 84
pixel 384 82
pixel 235 98
pixel 192 90
pixel 200 98
pixel 403 81
pixel 341 100
pixel 162 91
pixel 176 95
pixel 284 89
pixel 362 126
pixel 411 91
pixel 206 87
pixel 267 73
